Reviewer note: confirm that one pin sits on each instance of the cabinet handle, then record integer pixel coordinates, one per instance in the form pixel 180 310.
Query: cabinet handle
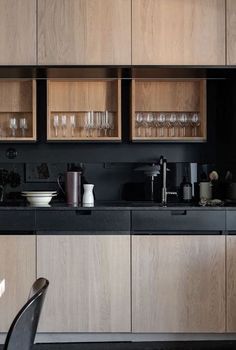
pixel 178 212
pixel 83 212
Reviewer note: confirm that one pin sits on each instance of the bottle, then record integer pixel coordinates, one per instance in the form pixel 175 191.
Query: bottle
pixel 187 191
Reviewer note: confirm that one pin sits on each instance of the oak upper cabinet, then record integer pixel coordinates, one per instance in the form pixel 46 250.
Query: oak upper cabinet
pixel 17 32
pixel 231 284
pixel 17 268
pixel 84 32
pixel 178 32
pixel 231 31
pixel 89 283
pixel 178 283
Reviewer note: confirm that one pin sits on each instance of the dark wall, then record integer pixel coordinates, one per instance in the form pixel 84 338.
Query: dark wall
pixel 220 108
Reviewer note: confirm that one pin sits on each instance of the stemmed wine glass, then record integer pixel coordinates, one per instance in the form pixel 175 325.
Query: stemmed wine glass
pixel 183 120
pixel 195 122
pixel 149 121
pixel 13 126
pixel 139 122
pixel 64 124
pixel 161 121
pixel 23 126
pixel 98 123
pixel 72 124
pixel 56 124
pixel 173 123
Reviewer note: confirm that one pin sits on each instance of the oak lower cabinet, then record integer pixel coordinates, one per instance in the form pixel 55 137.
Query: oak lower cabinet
pixel 18 32
pixel 231 31
pixel 178 283
pixel 178 32
pixel 231 283
pixel 18 269
pixel 89 282
pixel 84 32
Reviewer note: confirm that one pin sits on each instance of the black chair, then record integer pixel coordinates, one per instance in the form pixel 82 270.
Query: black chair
pixel 24 327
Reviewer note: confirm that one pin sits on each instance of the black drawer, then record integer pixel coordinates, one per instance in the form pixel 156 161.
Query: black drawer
pixel 231 220
pixel 83 220
pixel 178 220
pixel 17 220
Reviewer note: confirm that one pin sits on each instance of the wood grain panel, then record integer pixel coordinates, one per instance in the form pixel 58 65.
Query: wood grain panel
pixel 85 32
pixel 18 268
pixel 231 31
pixel 89 283
pixel 178 284
pixel 18 32
pixel 178 32
pixel 82 95
pixel 16 96
pixel 167 96
pixel 231 284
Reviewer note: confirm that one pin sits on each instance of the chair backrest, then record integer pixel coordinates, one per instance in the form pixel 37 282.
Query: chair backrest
pixel 24 327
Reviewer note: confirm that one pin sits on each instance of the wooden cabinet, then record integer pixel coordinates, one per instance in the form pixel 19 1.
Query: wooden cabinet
pixel 17 268
pixel 84 110
pixel 17 110
pixel 231 31
pixel 89 283
pixel 231 284
pixel 168 110
pixel 178 32
pixel 178 283
pixel 18 32
pixel 84 32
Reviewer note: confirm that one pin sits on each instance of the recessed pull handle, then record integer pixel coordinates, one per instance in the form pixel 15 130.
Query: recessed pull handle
pixel 83 212
pixel 178 212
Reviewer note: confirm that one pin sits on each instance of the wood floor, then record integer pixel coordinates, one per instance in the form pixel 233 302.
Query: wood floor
pixel 211 345
pixel 219 345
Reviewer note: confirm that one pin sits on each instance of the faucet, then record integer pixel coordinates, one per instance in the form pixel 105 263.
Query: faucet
pixel 164 192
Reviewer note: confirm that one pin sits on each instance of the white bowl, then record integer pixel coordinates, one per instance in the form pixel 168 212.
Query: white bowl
pixel 39 201
pixel 38 193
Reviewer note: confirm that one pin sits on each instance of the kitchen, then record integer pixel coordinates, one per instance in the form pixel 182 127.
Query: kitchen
pixel 128 269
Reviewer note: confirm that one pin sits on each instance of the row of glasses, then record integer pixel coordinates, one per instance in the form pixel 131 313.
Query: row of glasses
pixel 92 124
pixel 100 124
pixel 61 122
pixel 174 122
pixel 15 123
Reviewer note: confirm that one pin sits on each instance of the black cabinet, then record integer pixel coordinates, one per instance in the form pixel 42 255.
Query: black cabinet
pixel 178 220
pixel 83 220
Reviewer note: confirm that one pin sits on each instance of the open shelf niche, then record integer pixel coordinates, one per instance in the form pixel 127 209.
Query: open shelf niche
pixel 84 110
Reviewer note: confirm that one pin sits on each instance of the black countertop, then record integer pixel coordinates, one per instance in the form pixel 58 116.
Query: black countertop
pixel 112 205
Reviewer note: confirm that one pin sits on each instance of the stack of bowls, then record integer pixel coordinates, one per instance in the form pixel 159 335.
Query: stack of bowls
pixel 39 198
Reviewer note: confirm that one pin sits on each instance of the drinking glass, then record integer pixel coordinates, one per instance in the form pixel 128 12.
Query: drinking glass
pixel 195 122
pixel 72 125
pixel 98 123
pixel 64 124
pixel 56 124
pixel 139 122
pixel 13 126
pixel 183 121
pixel 161 122
pixel 149 121
pixel 105 122
pixel 23 126
pixel 173 124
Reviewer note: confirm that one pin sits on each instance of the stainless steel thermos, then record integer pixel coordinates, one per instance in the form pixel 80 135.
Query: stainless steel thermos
pixel 72 187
